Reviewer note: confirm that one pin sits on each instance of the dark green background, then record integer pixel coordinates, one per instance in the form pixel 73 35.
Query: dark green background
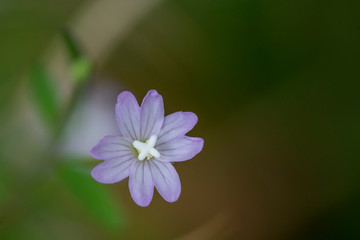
pixel 275 85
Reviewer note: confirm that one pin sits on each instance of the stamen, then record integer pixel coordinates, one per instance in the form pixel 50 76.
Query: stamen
pixel 146 150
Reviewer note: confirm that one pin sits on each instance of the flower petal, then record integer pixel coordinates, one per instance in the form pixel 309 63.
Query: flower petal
pixel 127 112
pixel 180 149
pixel 112 146
pixel 152 115
pixel 166 180
pixel 175 125
pixel 141 184
pixel 113 170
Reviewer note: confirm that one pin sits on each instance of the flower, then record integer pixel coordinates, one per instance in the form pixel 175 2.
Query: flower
pixel 148 145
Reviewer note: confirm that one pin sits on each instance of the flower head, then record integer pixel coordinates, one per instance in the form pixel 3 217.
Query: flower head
pixel 147 146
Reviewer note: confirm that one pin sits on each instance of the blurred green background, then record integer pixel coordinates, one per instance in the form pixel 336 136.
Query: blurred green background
pixel 275 85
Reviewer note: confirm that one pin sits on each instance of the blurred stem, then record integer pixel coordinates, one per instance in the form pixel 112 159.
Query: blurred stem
pixel 82 81
pixel 78 92
pixel 71 44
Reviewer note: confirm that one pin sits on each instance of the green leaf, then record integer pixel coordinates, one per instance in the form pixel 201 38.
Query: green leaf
pixel 44 94
pixel 95 198
pixel 80 69
pixel 81 66
pixel 71 44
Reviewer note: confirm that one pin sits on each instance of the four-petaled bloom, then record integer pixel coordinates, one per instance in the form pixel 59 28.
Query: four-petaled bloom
pixel 146 148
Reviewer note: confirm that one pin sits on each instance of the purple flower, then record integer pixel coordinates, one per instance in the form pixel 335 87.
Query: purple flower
pixel 146 148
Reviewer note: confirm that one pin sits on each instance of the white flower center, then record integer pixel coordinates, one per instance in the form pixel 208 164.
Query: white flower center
pixel 146 149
